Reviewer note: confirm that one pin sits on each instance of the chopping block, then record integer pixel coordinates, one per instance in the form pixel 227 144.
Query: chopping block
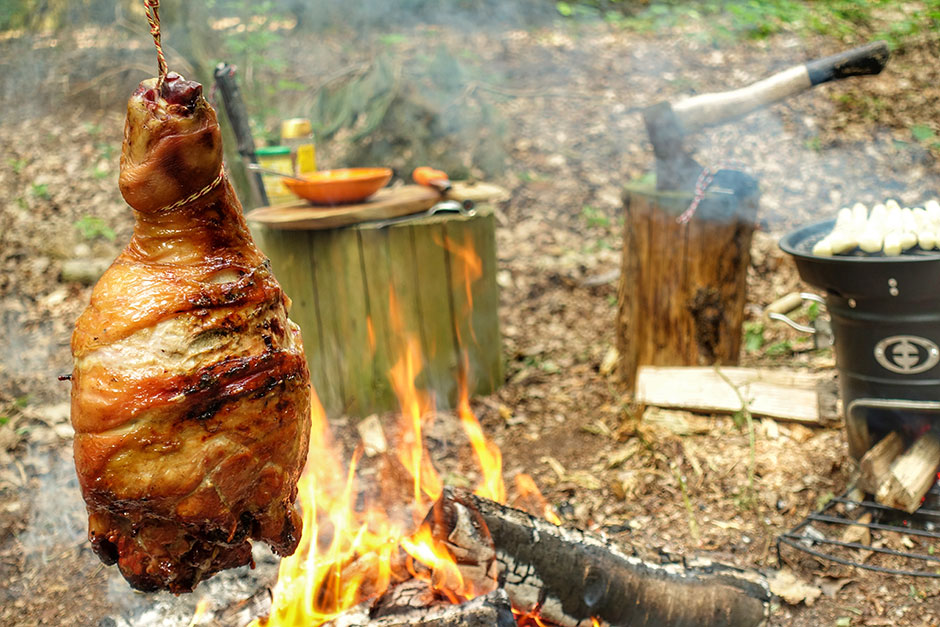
pixel 682 291
pixel 687 237
pixel 365 278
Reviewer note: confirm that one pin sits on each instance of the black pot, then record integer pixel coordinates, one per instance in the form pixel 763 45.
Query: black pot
pixel 886 324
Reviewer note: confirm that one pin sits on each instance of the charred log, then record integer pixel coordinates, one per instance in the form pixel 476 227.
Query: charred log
pixel 570 576
pixel 415 604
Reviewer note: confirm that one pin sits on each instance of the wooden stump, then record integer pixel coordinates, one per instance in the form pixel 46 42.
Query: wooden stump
pixel 357 291
pixel 682 286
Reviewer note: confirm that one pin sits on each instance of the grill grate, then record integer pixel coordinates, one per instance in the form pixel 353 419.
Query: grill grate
pixel 818 535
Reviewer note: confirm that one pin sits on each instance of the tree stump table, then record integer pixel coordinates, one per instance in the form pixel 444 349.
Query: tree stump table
pixel 682 285
pixel 360 288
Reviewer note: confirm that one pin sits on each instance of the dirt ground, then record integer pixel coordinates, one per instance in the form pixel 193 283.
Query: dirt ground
pixel 658 482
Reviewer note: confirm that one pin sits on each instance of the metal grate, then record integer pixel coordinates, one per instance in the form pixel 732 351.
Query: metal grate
pixel 819 535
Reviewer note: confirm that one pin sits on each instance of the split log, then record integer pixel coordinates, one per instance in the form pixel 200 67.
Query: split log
pixel 571 577
pixel 912 474
pixel 414 604
pixel 876 462
pixel 682 286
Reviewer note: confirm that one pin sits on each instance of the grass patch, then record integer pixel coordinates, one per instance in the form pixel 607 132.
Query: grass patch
pixel 734 20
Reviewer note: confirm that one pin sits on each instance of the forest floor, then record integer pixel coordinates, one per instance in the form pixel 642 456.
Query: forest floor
pixel 574 138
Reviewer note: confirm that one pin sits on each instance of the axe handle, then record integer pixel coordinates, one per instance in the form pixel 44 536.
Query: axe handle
pixel 708 109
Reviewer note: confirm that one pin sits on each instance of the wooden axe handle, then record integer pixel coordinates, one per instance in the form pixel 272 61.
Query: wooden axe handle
pixel 708 109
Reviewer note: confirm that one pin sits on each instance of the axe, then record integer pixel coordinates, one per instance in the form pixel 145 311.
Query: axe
pixel 668 123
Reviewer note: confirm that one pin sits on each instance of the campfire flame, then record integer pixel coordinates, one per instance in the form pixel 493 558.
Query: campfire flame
pixel 349 554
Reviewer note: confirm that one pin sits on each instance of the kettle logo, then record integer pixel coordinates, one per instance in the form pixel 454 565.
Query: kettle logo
pixel 907 354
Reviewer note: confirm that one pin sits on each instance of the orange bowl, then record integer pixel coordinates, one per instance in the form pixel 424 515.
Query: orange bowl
pixel 339 187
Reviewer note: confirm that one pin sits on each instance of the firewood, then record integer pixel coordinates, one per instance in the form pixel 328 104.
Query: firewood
pixel 912 474
pixel 876 463
pixel 572 576
pixel 788 395
pixel 412 604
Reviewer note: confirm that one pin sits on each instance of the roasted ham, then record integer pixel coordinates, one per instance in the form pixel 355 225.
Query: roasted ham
pixel 190 391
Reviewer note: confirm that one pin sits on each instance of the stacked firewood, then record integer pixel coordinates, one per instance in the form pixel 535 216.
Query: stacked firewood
pixel 900 476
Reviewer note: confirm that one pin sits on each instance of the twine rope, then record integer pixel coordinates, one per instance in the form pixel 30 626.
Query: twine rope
pixel 152 10
pixel 701 186
pixel 196 195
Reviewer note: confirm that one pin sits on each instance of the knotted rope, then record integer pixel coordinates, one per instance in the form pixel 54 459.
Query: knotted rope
pixel 152 10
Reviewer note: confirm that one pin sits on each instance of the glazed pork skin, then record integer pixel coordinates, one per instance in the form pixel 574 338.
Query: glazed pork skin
pixel 190 391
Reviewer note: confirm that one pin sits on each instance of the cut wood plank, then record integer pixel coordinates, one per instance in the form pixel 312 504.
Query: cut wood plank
pixel 912 474
pixel 781 394
pixel 390 202
pixel 876 463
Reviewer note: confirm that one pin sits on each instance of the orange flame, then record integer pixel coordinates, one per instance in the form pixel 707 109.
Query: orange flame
pixel 199 612
pixel 530 493
pixel 370 333
pixel 489 457
pixel 348 554
pixel 444 575
pixel 471 267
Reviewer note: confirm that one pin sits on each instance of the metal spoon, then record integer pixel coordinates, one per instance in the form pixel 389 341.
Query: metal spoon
pixel 254 167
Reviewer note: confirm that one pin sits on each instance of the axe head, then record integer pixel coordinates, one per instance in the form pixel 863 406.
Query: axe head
pixel 675 168
pixel 667 123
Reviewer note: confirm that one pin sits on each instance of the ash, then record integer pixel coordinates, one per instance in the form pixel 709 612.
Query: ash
pixel 235 598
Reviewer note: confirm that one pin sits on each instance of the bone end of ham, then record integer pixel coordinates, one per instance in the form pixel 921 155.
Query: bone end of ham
pixel 190 390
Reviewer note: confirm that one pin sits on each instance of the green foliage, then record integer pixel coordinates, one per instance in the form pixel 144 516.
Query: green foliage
pixel 92 227
pixel 814 143
pixel 732 20
pixel 753 336
pixel 40 190
pixel 594 217
pixel 778 349
pixel 17 165
pixel 824 498
pixel 812 311
pixel 926 136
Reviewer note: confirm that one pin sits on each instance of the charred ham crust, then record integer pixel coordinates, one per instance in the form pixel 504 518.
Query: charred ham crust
pixel 231 379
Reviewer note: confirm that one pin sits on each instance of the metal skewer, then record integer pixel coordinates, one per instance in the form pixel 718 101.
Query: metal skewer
pixel 257 168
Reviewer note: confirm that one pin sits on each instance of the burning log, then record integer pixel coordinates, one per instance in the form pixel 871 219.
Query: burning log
pixel 413 604
pixel 876 463
pixel 682 284
pixel 912 474
pixel 571 577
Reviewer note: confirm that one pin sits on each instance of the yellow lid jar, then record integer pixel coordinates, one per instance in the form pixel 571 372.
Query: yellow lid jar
pixel 277 158
pixel 297 134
